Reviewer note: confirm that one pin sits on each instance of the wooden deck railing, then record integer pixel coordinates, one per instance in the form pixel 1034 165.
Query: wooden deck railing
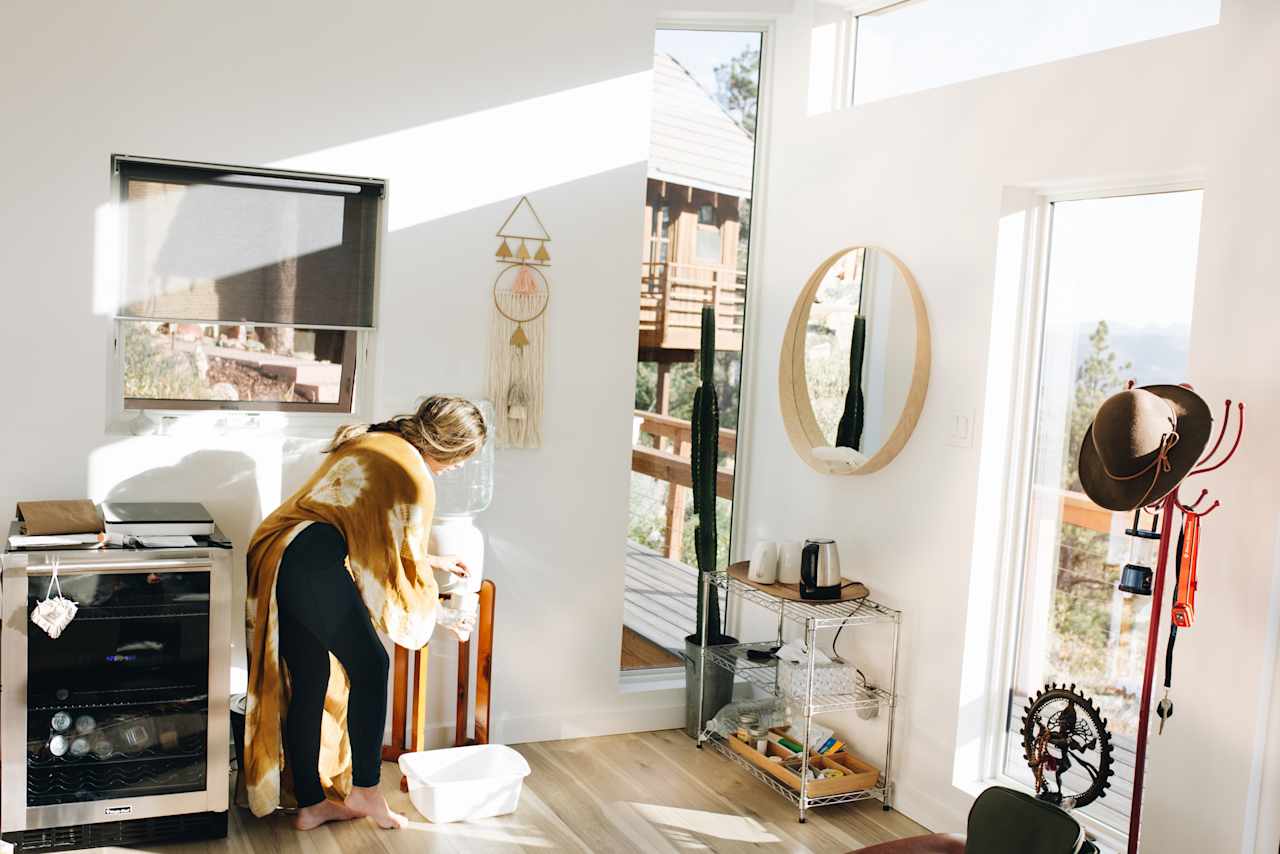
pixel 671 300
pixel 668 460
pixel 1078 510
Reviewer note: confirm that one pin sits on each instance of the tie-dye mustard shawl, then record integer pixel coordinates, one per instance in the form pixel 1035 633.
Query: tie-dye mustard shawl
pixel 376 490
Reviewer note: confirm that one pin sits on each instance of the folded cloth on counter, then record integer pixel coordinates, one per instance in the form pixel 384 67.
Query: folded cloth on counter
pixel 42 518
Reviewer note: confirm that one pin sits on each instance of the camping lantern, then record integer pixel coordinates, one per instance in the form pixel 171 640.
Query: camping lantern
pixel 1136 576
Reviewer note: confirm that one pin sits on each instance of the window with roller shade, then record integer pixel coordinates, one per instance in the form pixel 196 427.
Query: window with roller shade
pixel 243 288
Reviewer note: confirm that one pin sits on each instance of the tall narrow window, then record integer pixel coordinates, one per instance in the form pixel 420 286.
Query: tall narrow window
pixel 1120 277
pixel 696 246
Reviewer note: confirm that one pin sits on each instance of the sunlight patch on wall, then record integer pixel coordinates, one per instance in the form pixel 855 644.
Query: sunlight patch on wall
pixel 984 641
pixel 454 165
pixel 106 259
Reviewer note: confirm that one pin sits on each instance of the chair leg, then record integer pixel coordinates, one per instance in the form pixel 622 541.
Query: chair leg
pixel 484 660
pixel 463 693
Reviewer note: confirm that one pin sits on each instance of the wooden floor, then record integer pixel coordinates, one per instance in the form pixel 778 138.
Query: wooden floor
pixel 648 792
pixel 640 653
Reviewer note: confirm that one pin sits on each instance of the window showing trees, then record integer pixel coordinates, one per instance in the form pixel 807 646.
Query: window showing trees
pixel 1121 273
pixel 242 288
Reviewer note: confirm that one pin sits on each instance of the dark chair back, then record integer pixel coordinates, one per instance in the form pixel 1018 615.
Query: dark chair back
pixel 1006 821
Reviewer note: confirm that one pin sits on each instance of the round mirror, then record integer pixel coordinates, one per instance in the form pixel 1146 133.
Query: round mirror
pixel 855 362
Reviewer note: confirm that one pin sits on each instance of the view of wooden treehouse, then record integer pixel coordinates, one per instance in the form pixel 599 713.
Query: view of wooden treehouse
pixel 699 186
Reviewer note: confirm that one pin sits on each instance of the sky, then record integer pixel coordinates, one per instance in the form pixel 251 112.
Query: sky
pixel 700 51
pixel 1126 259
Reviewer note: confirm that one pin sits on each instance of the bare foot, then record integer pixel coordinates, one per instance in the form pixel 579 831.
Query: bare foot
pixel 368 801
pixel 325 811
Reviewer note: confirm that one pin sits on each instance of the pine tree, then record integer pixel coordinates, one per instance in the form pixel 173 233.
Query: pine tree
pixel 1098 378
pixel 737 87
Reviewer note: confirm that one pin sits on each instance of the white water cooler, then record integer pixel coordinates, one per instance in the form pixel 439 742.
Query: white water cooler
pixel 461 495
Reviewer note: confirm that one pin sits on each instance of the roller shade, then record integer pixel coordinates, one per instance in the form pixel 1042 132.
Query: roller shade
pixel 220 244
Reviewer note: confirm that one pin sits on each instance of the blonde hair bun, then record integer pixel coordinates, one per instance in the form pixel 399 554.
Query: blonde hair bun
pixel 446 428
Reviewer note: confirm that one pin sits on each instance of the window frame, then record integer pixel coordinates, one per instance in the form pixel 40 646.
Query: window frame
pixel 355 385
pixel 1018 469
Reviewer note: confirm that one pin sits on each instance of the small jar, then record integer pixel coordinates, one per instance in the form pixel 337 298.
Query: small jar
pixel 759 736
pixel 58 745
pixel 747 721
pixel 80 746
pixel 61 722
pixel 85 724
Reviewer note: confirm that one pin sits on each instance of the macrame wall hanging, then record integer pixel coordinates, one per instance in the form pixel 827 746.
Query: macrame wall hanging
pixel 521 294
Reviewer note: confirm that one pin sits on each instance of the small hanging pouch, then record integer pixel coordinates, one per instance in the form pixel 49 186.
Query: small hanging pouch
pixel 54 613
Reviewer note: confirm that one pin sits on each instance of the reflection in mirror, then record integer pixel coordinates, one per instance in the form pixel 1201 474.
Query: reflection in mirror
pixel 859 353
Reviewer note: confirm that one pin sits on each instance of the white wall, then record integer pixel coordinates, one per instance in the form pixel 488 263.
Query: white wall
pixel 924 176
pixel 435 97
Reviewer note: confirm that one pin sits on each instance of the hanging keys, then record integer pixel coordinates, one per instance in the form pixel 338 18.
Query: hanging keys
pixel 1164 711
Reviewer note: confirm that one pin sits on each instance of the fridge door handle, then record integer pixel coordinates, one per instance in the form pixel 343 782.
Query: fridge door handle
pixel 162 565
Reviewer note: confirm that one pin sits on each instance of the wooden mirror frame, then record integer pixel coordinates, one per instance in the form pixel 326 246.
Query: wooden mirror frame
pixel 793 385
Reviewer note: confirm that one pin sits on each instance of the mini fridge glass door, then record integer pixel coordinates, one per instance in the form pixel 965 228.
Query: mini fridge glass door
pixel 118 704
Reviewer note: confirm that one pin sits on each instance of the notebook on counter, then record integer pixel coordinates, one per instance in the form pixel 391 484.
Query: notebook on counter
pixel 157 518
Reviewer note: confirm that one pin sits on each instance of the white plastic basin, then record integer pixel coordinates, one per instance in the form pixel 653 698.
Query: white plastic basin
pixel 464 783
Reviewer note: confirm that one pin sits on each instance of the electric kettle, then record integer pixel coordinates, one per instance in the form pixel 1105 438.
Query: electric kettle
pixel 820 570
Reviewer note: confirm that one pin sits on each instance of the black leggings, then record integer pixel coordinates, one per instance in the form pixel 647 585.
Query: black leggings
pixel 321 612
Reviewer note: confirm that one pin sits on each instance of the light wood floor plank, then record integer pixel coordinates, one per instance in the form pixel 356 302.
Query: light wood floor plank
pixel 574 759
pixel 643 793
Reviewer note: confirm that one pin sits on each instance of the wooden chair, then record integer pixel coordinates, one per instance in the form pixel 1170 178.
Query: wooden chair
pixel 416 726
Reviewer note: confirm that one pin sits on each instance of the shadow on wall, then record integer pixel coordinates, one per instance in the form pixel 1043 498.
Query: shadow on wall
pixel 299 459
pixel 224 481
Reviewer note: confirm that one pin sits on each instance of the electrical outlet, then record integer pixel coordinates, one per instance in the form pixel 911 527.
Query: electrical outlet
pixel 962 429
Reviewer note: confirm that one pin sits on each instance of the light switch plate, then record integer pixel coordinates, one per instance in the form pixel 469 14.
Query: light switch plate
pixel 962 427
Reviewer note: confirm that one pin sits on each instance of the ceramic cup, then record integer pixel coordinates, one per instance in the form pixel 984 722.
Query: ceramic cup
pixel 764 563
pixel 789 562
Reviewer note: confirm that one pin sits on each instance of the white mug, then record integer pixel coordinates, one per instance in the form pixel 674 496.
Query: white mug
pixel 764 563
pixel 789 562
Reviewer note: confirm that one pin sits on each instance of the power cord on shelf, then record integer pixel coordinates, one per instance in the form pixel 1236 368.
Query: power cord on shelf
pixel 861 600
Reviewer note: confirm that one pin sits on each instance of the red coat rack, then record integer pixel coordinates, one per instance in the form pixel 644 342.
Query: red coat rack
pixel 1165 507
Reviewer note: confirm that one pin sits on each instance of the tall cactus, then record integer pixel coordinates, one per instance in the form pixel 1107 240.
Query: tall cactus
pixel 704 463
pixel 849 430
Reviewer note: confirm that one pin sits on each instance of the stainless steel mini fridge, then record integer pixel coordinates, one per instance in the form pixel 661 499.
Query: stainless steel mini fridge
pixel 116 732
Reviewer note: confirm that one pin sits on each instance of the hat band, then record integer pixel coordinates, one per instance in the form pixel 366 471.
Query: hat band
pixel 1161 465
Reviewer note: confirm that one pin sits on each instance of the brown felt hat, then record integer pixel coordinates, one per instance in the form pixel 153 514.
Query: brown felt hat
pixel 1141 444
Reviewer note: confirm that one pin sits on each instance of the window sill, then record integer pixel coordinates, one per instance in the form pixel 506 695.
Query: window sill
pixel 298 425
pixel 656 679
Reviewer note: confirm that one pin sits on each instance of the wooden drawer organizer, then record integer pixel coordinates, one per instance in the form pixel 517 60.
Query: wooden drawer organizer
pixel 858 774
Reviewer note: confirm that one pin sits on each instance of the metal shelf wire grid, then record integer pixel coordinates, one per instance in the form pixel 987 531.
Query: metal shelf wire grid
pixel 764 675
pixel 824 615
pixel 717 742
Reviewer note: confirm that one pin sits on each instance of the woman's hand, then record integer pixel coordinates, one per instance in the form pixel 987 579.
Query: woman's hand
pixel 450 564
